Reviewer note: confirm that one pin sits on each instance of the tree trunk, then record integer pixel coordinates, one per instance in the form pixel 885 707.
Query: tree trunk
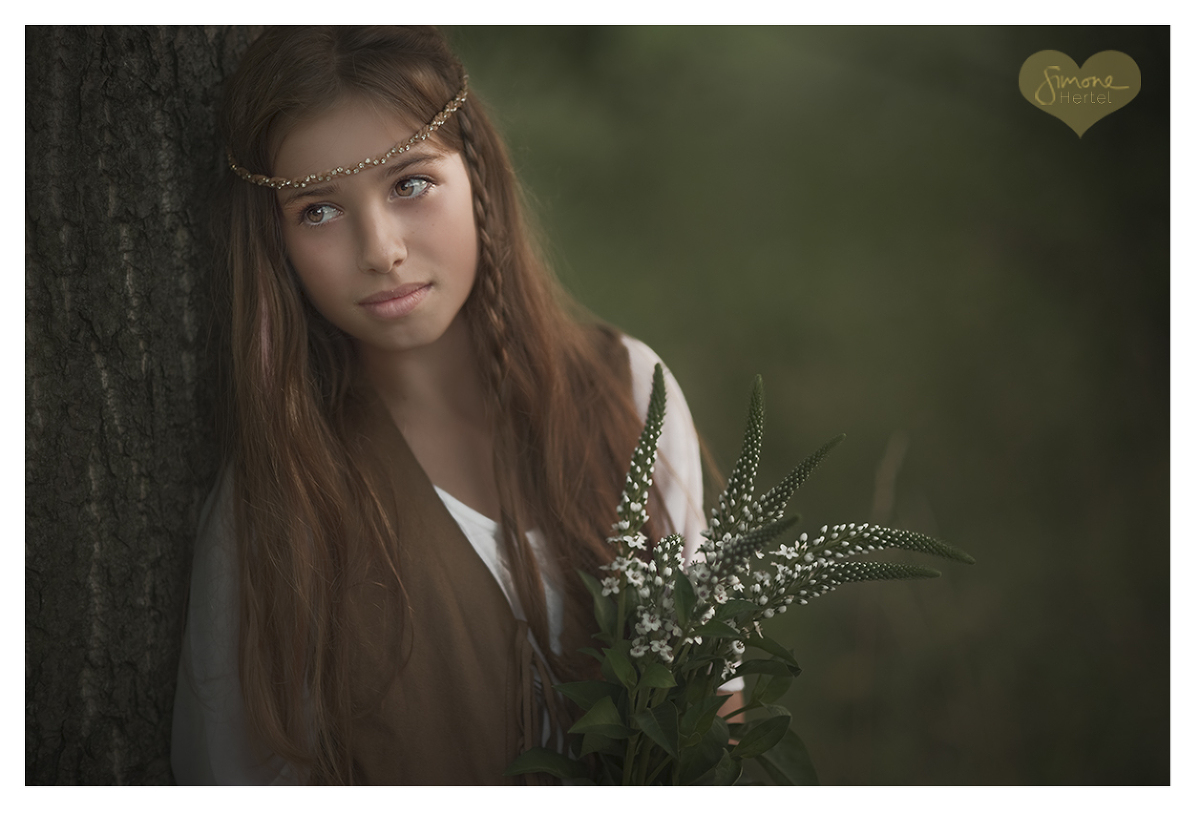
pixel 120 159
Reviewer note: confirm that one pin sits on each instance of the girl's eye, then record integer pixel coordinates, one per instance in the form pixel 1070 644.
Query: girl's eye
pixel 318 214
pixel 412 187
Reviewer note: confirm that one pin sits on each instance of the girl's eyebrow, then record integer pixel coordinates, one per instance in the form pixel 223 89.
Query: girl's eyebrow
pixel 331 188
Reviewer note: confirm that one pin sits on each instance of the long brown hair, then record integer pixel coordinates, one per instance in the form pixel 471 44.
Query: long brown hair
pixel 562 414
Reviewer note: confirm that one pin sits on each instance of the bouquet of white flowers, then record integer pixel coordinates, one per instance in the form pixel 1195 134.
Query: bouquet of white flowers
pixel 673 632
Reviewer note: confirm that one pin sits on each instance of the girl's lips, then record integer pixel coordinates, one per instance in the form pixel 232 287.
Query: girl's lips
pixel 397 302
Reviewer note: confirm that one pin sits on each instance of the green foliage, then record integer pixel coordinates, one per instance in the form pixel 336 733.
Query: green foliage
pixel 685 598
pixel 594 743
pixel 618 661
pixel 727 771
pixel 697 760
pixel 774 647
pixel 656 676
pixel 699 716
pixel 769 688
pixel 602 718
pixel 603 607
pixel 788 763
pixel 764 735
pixel 585 693
pixel 661 724
pixel 673 635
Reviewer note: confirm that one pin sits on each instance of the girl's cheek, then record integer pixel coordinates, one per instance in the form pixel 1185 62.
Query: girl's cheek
pixel 309 250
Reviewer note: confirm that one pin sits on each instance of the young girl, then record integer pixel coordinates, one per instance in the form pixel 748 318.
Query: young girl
pixel 422 444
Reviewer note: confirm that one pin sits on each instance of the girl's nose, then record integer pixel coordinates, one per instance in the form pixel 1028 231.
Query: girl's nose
pixel 382 247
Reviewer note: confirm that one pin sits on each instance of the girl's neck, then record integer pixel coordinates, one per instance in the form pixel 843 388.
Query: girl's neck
pixel 440 378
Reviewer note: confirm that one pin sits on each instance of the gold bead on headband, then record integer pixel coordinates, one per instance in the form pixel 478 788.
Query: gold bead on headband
pixel 299 183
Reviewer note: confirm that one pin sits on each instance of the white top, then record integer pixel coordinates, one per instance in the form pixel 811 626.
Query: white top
pixel 677 472
pixel 209 742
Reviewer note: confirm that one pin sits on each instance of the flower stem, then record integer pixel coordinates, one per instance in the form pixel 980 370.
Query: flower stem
pixel 620 632
pixel 630 751
pixel 747 707
pixel 644 766
pixel 658 770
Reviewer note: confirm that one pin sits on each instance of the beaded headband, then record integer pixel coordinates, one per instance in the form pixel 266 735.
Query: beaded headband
pixel 320 177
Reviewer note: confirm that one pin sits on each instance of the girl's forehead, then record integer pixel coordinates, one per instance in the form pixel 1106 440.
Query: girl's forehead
pixel 351 131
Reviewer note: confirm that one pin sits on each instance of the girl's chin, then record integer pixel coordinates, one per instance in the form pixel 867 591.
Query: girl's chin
pixel 394 344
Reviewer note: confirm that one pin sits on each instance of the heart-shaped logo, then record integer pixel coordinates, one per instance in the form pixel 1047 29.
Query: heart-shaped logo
pixel 1051 81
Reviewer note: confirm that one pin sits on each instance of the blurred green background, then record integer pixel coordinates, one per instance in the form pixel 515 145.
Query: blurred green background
pixel 876 221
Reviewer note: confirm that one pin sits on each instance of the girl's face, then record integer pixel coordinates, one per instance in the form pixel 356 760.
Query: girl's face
pixel 387 255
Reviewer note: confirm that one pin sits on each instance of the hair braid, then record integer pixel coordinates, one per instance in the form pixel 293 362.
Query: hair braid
pixel 494 256
pixel 491 291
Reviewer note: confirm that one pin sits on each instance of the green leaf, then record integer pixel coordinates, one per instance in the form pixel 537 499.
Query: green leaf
pixel 774 647
pixel 611 772
pixel 602 606
pixel 727 771
pixel 661 724
pixel 602 718
pixel 685 598
pixel 694 762
pixel 763 735
pixel 695 691
pixel 763 666
pixel 625 598
pixel 618 661
pixel 716 629
pixel 594 743
pixel 699 717
pixel 591 582
pixel 585 693
pixel 735 606
pixel 656 676
pixel 543 760
pixel 621 646
pixel 788 763
pixel 769 688
pixel 697 662
pixel 589 650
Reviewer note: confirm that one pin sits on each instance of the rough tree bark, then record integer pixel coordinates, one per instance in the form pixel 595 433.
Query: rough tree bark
pixel 120 156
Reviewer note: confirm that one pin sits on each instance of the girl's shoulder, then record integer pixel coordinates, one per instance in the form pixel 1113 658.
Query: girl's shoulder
pixel 214 558
pixel 641 368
